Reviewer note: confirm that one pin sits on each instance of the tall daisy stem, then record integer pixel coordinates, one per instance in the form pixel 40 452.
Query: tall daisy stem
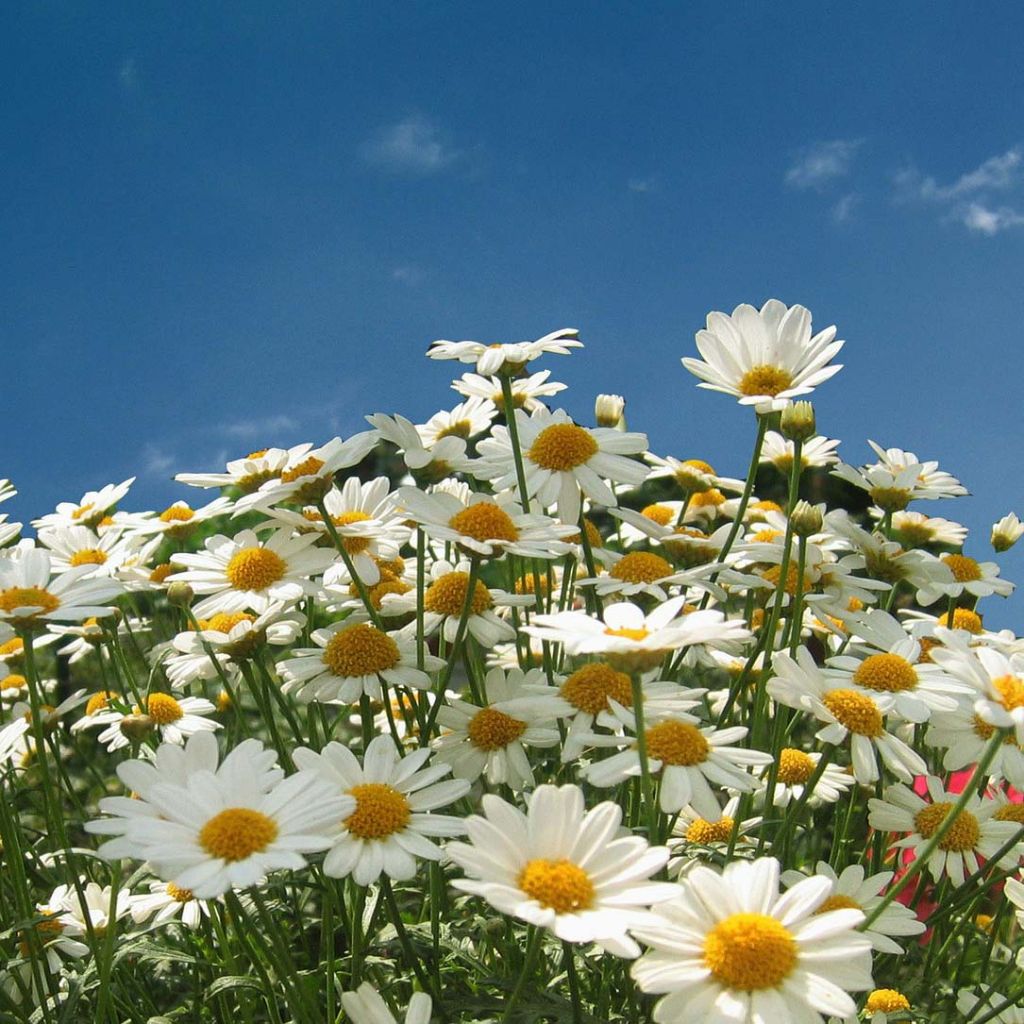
pixel 339 543
pixel 513 436
pixel 395 914
pixel 646 788
pixel 526 973
pixel 574 982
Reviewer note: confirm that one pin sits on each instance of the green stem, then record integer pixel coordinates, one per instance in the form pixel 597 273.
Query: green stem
pixel 526 974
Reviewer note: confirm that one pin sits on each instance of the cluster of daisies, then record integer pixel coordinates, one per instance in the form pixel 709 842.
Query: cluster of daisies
pixel 714 752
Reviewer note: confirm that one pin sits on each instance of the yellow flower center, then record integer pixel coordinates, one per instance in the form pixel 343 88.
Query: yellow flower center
pixel 963 618
pixel 447 595
pixel 493 730
pixel 224 622
pixel 178 894
pixel 237 833
pixel 890 499
pixel 750 952
pixel 963 834
pixel 774 574
pixel 253 481
pixel 380 590
pixel 764 380
pixel 854 711
pixel 590 687
pixel 1010 812
pixel 629 634
pixel 886 1000
pixel 354 545
pixel 360 650
pixel 677 743
pixel 562 447
pixel 309 466
pixel 707 499
pixel 161 572
pixel 766 506
pixel 559 885
pixel 163 708
pixel 1010 690
pixel 766 537
pixel 28 597
pixel 82 511
pixel 88 556
pixel 838 902
pixel 707 832
pixel 485 521
pixel 660 514
pixel 528 585
pixel 255 569
pixel 177 514
pixel 795 767
pixel 640 567
pixel 14 681
pixel 380 811
pixel 459 428
pixel 888 673
pixel 12 647
pixel 594 537
pixel 986 732
pixel 100 701
pixel 964 569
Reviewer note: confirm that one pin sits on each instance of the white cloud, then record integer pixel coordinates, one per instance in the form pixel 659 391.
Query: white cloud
pixel 414 145
pixel 408 274
pixel 843 210
pixel 819 164
pixel 987 221
pixel 156 461
pixel 128 74
pixel 261 428
pixel 641 184
pixel 997 172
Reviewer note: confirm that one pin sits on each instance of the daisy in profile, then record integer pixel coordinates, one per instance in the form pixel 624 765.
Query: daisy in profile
pixel 693 476
pixel 975 832
pixel 815 453
pixel 491 740
pixel 174 720
pixel 177 521
pixel 365 1006
pixel 562 868
pixel 691 829
pixel 352 658
pixel 932 482
pixel 561 459
pixel 390 823
pixel 764 357
pixel 527 392
pixel 730 948
pixel 508 357
pixel 796 767
pixel 963 734
pixel 8 531
pixel 853 890
pixel 466 420
pixel 1005 533
pixel 30 598
pixel 247 474
pixel 242 572
pixel 916 530
pixel 210 829
pixel 88 511
pixel 165 903
pixel 73 546
pixel 435 461
pixel 978 579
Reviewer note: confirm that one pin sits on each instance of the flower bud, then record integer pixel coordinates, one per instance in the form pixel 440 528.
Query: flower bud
pixel 1007 532
pixel 137 727
pixel 608 411
pixel 180 594
pixel 798 422
pixel 807 518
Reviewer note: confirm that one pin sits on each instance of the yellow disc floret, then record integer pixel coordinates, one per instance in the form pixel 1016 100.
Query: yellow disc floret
pixel 360 650
pixel 178 894
pixel 677 743
pixel 485 521
pixel 963 834
pixel 764 380
pixel 838 901
pixel 28 597
pixel 447 594
pixel 795 767
pixel 489 729
pixel 589 688
pixel 380 811
pixel 640 567
pixel 562 447
pixel 887 673
pixel 964 569
pixel 100 701
pixel 963 618
pixel 854 711
pixel 310 466
pixel 750 952
pixel 660 514
pixel 163 708
pixel 88 556
pixel 1010 812
pixel 558 885
pixel 255 569
pixel 886 1000
pixel 237 833
pixel 1010 690
pixel 707 832
pixel 177 514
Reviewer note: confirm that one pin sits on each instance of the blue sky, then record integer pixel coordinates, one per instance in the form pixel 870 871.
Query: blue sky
pixel 228 225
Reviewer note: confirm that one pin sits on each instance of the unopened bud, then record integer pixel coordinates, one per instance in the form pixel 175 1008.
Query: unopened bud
pixel 137 727
pixel 180 594
pixel 608 411
pixel 798 422
pixel 807 518
pixel 1007 532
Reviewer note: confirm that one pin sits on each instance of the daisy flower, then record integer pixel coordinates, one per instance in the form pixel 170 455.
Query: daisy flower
pixel 853 890
pixel 764 358
pixel 174 720
pixel 730 948
pixel 932 482
pixel 689 758
pixel 916 530
pixel 692 829
pixel 466 420
pixel 391 797
pixel 492 739
pixel 352 658
pixel 979 579
pixel 29 598
pixel 692 475
pixel 210 829
pixel 178 521
pixel 73 546
pixel 815 452
pixel 859 714
pixel 975 832
pixel 795 770
pixel 963 734
pixel 436 461
pixel 8 531
pixel 1006 532
pixel 891 489
pixel 243 572
pixel 562 868
pixel 510 358
pixel 365 1006
pixel 484 525
pixel 560 459
pixel 165 902
pixel 309 473
pixel 527 392
pixel 638 572
pixel 92 507
pixel 247 474
pixel 629 639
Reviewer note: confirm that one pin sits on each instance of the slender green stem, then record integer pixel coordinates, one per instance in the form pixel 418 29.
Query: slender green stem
pixel 526 974
pixel 650 806
pixel 569 958
pixel 513 436
pixel 339 544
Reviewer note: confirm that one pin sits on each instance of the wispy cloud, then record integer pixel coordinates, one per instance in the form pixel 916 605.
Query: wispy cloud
pixel 820 164
pixel 641 184
pixel 156 461
pixel 987 221
pixel 408 274
pixel 996 173
pixel 414 145
pixel 128 74
pixel 842 211
pixel 259 427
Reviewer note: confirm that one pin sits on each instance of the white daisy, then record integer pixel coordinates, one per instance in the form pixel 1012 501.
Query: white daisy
pixel 692 475
pixel 1007 532
pixel 815 453
pixel 796 767
pixel 165 902
pixel 730 948
pixel 174 720
pixel 561 458
pixel 178 521
pixel 433 462
pixel 391 799
pixel 527 392
pixel 916 530
pixel 932 482
pixel 510 357
pixel 247 474
pixel 73 546
pixel 964 735
pixel 562 868
pixel 979 579
pixel 92 507
pixel 365 1006
pixel 466 420
pixel 764 358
